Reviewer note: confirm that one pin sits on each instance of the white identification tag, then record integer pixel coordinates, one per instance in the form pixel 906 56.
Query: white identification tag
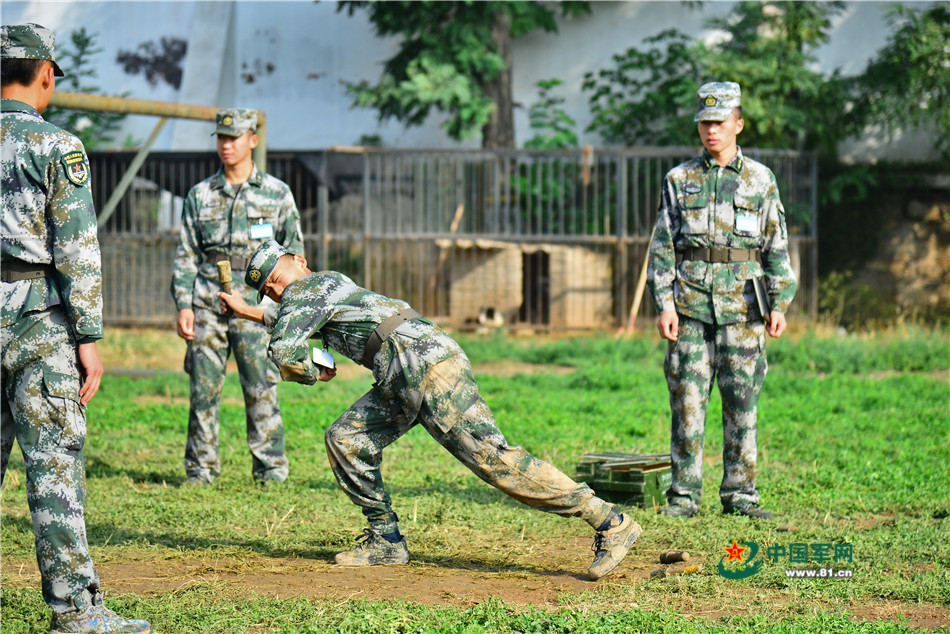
pixel 262 231
pixel 324 358
pixel 746 223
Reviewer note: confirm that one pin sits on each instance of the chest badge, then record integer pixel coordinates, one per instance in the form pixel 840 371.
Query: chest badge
pixel 692 188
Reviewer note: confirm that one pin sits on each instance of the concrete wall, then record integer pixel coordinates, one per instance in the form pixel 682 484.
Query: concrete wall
pixel 290 57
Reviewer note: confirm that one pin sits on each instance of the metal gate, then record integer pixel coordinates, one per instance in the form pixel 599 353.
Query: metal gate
pixel 544 239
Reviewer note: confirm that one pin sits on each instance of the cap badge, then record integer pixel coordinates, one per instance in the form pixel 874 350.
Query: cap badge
pixel 255 275
pixel 710 101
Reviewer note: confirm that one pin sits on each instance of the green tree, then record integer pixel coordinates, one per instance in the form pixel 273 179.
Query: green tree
pixel 908 83
pixel 771 53
pixel 553 127
pixel 768 48
pixel 94 129
pixel 454 57
pixel 648 94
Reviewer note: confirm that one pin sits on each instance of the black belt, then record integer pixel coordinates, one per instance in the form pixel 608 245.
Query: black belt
pixel 17 271
pixel 382 333
pixel 721 255
pixel 238 262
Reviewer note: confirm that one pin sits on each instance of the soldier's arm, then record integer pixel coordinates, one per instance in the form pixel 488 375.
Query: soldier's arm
pixel 188 255
pixel 661 272
pixel 776 263
pixel 292 234
pixel 75 243
pixel 289 347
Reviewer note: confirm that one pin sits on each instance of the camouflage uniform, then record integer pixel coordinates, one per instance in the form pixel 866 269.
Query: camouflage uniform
pixel 48 219
pixel 721 333
pixel 422 377
pixel 221 218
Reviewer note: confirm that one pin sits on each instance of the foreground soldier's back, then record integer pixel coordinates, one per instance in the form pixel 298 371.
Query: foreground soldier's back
pixel 51 320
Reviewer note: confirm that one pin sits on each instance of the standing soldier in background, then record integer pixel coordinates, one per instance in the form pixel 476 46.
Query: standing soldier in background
pixel 720 230
pixel 51 320
pixel 225 217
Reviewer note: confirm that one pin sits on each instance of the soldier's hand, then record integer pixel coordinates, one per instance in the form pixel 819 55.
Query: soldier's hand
pixel 668 325
pixel 327 373
pixel 777 324
pixel 235 302
pixel 92 371
pixel 186 324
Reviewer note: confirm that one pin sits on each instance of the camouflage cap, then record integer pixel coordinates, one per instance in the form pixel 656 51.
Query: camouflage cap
pixel 262 265
pixel 717 100
pixel 28 41
pixel 235 121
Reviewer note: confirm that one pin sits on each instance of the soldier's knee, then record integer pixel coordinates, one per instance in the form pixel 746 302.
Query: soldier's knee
pixel 336 434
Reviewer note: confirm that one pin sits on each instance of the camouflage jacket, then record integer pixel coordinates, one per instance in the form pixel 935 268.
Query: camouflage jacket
pixel 234 220
pixel 331 306
pixel 47 217
pixel 705 205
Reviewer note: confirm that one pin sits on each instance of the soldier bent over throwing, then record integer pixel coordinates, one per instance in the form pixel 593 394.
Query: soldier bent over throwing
pixel 422 377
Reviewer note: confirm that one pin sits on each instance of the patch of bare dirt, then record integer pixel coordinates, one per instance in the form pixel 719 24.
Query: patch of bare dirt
pixel 419 581
pixel 553 576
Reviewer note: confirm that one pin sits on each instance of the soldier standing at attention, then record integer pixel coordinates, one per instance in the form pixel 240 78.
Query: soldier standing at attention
pixel 51 319
pixel 422 377
pixel 225 217
pixel 719 231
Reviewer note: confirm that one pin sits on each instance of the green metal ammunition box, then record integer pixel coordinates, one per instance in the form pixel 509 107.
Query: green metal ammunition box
pixel 627 479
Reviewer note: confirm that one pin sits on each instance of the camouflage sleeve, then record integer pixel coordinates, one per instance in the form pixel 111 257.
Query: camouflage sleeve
pixel 188 256
pixel 270 313
pixel 291 233
pixel 775 260
pixel 661 272
pixel 75 245
pixel 289 348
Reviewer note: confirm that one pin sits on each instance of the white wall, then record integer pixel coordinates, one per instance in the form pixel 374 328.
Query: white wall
pixel 311 49
pixel 588 43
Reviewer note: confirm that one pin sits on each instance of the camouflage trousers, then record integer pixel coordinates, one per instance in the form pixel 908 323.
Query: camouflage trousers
pixel 41 411
pixel 733 355
pixel 355 444
pixel 216 335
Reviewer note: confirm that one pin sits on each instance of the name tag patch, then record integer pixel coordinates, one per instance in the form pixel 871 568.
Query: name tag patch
pixel 262 231
pixel 746 223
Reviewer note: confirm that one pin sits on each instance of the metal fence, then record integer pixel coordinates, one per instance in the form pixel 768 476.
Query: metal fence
pixel 526 238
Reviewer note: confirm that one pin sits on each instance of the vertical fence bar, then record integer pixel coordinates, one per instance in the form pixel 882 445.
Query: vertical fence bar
pixel 813 234
pixel 620 246
pixel 367 176
pixel 323 221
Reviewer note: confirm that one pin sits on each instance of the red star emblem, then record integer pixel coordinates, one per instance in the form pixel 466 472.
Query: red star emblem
pixel 735 551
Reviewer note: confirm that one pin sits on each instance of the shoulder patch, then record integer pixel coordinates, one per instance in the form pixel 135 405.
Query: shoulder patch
pixel 76 169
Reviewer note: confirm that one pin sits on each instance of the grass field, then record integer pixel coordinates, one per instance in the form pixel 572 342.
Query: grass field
pixel 854 449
